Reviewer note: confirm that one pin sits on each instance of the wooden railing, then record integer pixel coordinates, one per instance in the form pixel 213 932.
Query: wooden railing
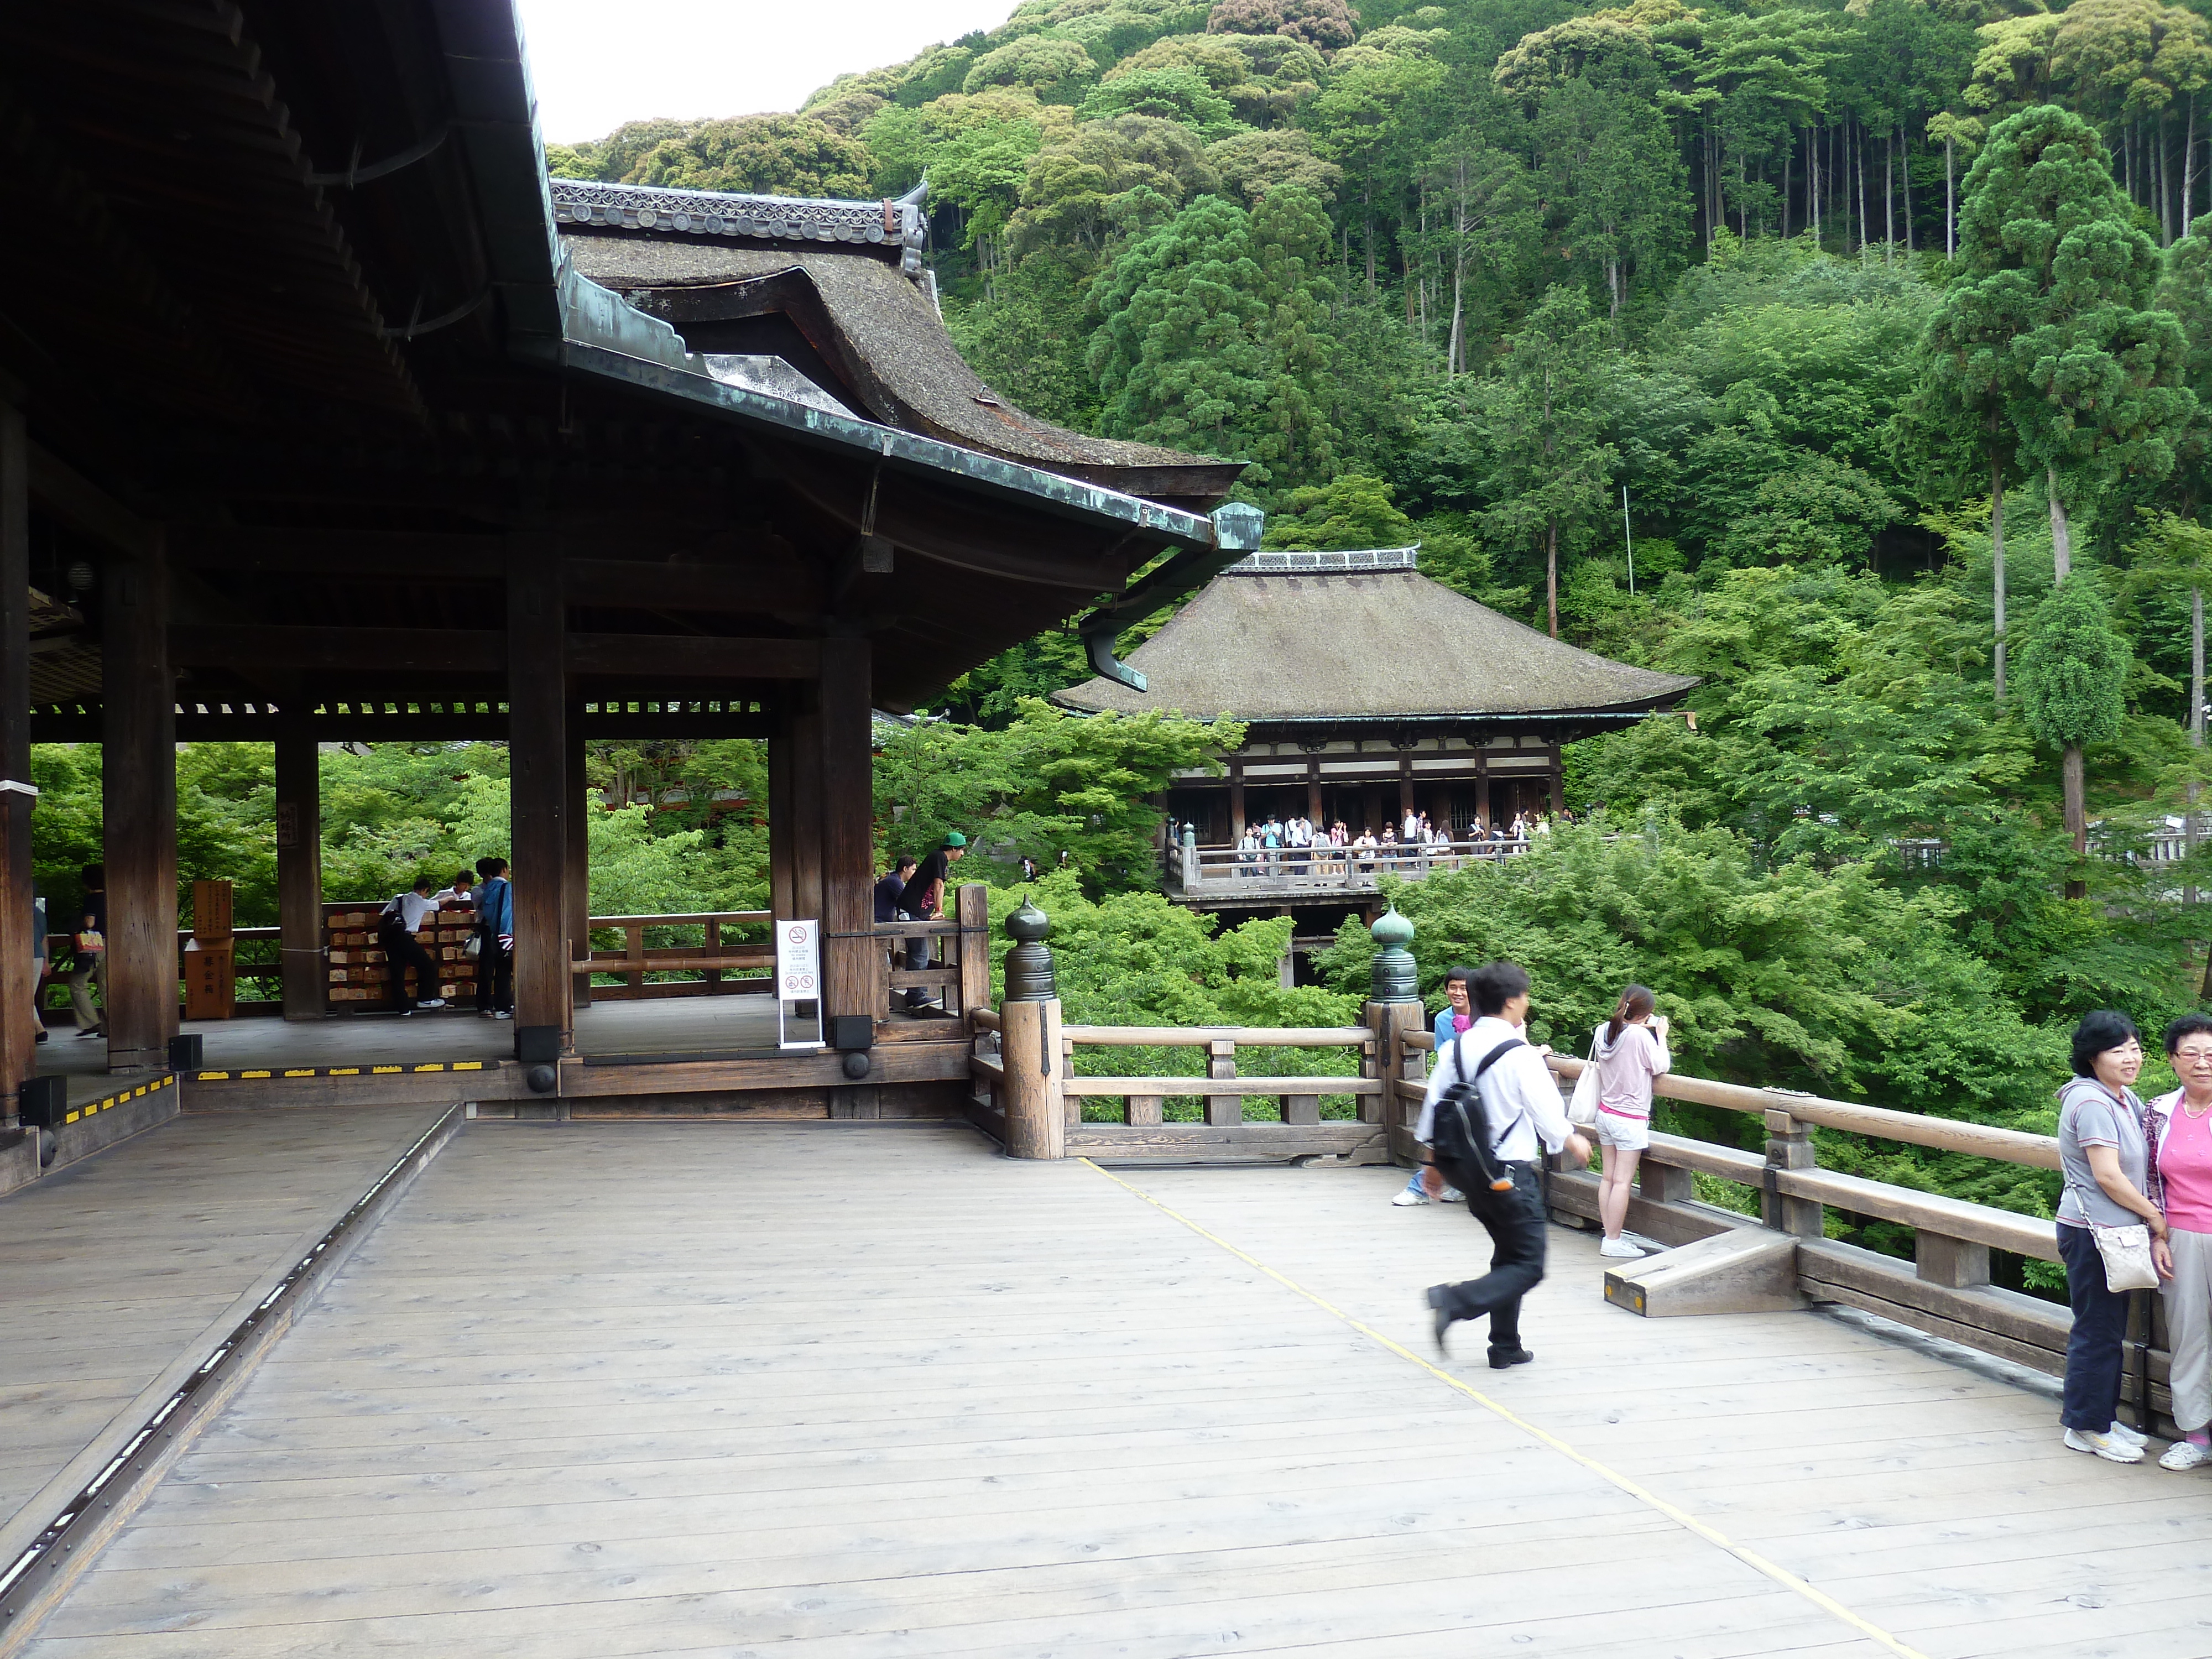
pixel 1945 1290
pixel 960 982
pixel 711 958
pixel 1231 870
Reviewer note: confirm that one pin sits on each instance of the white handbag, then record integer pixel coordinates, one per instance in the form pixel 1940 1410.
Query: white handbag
pixel 2126 1251
pixel 1582 1106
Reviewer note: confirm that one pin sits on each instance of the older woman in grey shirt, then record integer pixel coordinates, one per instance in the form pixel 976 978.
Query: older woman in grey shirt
pixel 2105 1162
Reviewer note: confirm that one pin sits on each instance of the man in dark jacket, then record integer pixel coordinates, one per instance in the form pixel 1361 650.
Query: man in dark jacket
pixel 495 940
pixel 923 899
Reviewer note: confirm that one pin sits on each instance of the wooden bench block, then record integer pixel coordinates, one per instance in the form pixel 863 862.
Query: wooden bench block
pixel 1747 1271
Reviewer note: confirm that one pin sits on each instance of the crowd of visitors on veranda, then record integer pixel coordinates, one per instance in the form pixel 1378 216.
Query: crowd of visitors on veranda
pixel 1296 846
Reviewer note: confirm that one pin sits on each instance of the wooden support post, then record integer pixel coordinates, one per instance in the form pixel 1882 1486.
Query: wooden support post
pixel 1236 818
pixel 577 895
pixel 805 794
pixel 1030 1048
pixel 1314 814
pixel 1146 1111
pixel 1559 781
pixel 1221 1063
pixel 299 861
pixel 538 762
pixel 1788 1146
pixel 853 979
pixel 18 971
pixel 1405 784
pixel 138 810
pixel 1391 1022
pixel 1955 1263
pixel 974 944
pixel 1482 781
pixel 1664 1183
pixel 782 820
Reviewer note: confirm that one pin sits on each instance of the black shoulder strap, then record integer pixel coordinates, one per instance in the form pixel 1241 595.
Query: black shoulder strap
pixel 1487 1061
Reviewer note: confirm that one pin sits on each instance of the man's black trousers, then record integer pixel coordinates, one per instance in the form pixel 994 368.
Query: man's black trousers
pixel 401 952
pixel 1514 1221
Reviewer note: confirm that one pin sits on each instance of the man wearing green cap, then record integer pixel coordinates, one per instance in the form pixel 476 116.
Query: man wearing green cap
pixel 923 900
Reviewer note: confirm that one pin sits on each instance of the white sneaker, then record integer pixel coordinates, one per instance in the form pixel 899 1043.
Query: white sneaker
pixel 503 1013
pixel 1408 1196
pixel 2103 1445
pixel 435 1002
pixel 2184 1455
pixel 2120 1430
pixel 1453 1195
pixel 1618 1246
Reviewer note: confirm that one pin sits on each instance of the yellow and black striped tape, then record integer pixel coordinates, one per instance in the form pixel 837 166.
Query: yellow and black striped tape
pixel 77 1114
pixel 347 1071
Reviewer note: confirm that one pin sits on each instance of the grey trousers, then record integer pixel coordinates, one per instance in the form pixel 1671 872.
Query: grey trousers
pixel 79 984
pixel 2189 1327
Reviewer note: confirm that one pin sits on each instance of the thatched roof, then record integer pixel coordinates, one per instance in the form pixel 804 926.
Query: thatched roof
pixel 1298 637
pixel 865 324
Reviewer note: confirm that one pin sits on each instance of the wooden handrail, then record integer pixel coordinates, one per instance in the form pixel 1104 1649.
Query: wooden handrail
pixel 1199 1036
pixel 1914 1128
pixel 1249 1084
pixel 688 919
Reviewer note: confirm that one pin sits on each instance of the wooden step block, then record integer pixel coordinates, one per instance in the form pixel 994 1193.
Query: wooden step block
pixel 1746 1271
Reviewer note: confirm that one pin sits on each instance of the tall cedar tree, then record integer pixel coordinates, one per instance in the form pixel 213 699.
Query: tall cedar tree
pixel 1551 480
pixel 2070 680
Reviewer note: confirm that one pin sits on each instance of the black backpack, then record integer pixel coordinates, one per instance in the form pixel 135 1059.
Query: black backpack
pixel 1456 1140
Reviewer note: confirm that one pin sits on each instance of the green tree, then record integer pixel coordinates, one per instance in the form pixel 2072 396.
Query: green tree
pixel 2071 676
pixel 1172 94
pixel 760 154
pixel 1352 510
pixel 1552 465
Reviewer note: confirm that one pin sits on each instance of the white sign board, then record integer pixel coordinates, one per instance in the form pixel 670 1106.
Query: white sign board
pixel 798 977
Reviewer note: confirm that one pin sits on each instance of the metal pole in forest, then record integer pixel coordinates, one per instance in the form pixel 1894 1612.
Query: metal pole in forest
pixel 1627 538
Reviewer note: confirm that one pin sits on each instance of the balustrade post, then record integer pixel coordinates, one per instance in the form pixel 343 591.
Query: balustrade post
pixel 1029 1043
pixel 1222 1110
pixel 1664 1183
pixel 1392 1011
pixel 1788 1146
pixel 1955 1263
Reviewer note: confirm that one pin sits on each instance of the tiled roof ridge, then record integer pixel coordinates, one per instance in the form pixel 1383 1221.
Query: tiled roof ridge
pixel 719 214
pixel 1272 562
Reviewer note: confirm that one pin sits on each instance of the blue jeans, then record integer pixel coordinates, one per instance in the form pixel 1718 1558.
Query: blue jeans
pixel 2093 1346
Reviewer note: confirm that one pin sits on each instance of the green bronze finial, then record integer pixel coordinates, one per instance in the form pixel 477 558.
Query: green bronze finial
pixel 1393 977
pixel 1030 976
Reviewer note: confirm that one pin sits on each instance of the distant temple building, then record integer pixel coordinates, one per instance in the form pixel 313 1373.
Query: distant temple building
pixel 1368 691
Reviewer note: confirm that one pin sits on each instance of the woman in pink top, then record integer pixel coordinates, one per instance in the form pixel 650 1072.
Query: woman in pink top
pixel 2181 1137
pixel 1629 1050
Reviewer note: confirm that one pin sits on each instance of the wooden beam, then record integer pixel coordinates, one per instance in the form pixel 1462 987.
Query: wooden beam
pixel 409 650
pixel 18 976
pixel 576 890
pixel 537 757
pixel 370 553
pixel 138 775
pixel 300 867
pixel 755 587
pixel 674 656
pixel 86 508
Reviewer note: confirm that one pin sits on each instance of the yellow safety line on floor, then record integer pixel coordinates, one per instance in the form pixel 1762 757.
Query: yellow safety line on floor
pixel 1681 1517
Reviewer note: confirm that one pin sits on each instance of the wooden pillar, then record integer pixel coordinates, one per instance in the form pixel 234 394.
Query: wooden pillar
pixel 804 778
pixel 1559 781
pixel 138 810
pixel 1390 1022
pixel 538 762
pixel 1482 783
pixel 1789 1147
pixel 1236 818
pixel 1030 1049
pixel 299 861
pixel 1404 785
pixel 18 974
pixel 782 859
pixel 577 897
pixel 1314 816
pixel 853 979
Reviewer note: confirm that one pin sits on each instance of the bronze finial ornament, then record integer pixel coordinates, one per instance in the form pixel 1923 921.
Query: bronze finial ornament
pixel 1030 976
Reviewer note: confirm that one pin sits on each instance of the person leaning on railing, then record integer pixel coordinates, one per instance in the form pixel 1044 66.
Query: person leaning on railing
pixel 1427 1181
pixel 2102 1151
pixel 2180 1172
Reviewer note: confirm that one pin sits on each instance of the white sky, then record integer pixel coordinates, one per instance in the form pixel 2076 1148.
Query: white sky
pixel 596 66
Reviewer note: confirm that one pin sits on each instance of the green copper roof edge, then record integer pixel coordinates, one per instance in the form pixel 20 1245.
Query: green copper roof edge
pixel 845 432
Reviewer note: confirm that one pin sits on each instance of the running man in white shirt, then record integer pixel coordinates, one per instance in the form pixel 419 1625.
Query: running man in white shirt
pixel 1523 1117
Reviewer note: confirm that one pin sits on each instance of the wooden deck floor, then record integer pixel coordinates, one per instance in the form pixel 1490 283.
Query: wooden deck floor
pixel 113 1268
pixel 872 1390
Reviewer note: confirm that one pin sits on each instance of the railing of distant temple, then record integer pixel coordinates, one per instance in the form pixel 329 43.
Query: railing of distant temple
pixel 1030 1088
pixel 1327 869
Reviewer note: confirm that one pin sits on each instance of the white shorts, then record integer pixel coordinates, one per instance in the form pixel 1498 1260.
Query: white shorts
pixel 1631 1135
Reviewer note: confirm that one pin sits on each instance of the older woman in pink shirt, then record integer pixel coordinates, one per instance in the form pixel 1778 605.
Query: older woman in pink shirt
pixel 1630 1051
pixel 2180 1138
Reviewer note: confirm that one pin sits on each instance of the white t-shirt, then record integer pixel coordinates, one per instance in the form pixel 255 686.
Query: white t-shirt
pixel 1517 1090
pixel 413 907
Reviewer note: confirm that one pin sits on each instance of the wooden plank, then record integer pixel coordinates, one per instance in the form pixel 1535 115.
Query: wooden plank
pixel 1222 1086
pixel 1199 1036
pixel 659 657
pixel 1269 1141
pixel 2028 1236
